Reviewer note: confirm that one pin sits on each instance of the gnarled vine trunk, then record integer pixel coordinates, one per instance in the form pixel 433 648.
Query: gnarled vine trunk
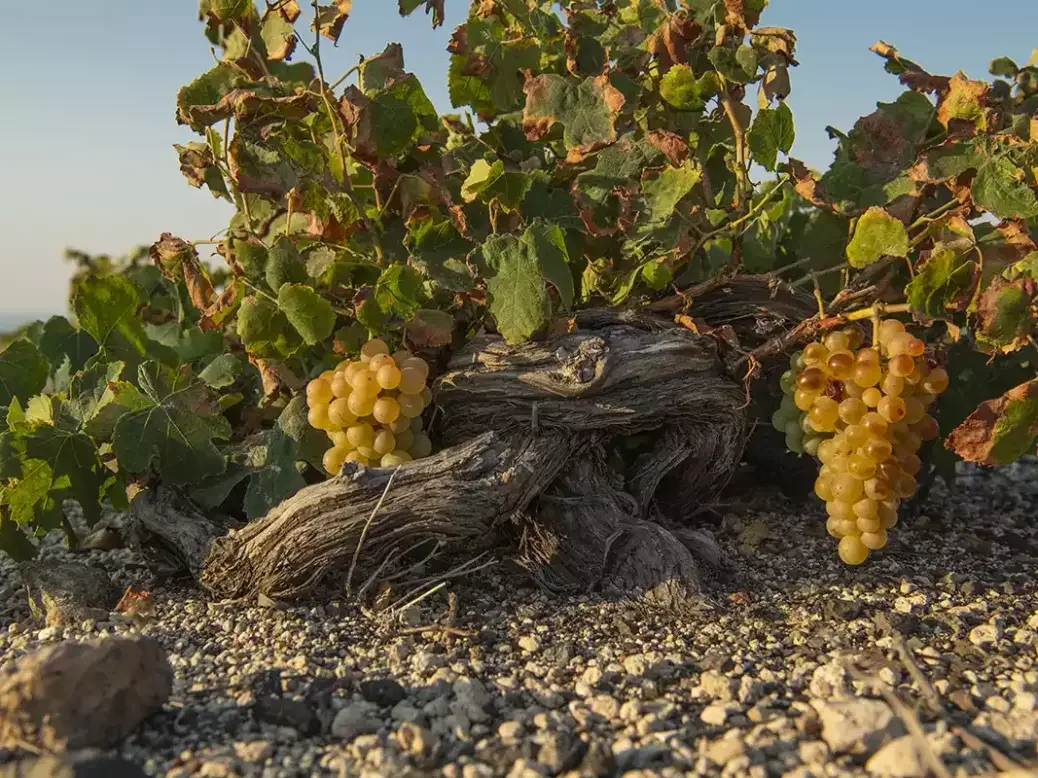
pixel 588 453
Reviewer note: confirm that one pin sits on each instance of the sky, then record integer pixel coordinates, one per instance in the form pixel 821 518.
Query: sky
pixel 87 95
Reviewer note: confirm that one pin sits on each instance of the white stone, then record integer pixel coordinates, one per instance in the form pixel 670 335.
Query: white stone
pixel 857 726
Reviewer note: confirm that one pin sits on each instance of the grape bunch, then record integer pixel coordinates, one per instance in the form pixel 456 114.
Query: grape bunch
pixel 862 411
pixel 371 408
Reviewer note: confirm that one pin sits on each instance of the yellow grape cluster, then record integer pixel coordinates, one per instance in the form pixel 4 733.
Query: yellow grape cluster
pixel 862 411
pixel 371 408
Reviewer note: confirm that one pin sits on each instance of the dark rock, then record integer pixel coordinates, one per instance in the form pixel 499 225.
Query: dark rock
pixel 265 683
pixel 68 592
pixel 287 713
pixel 717 659
pixel 69 767
pixel 103 539
pixel 384 692
pixel 560 752
pixel 82 695
pixel 598 761
pixel 842 610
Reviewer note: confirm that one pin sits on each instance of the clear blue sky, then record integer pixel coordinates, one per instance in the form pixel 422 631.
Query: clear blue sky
pixel 87 99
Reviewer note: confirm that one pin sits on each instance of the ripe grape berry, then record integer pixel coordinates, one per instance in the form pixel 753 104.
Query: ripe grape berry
pixel 371 408
pixel 862 412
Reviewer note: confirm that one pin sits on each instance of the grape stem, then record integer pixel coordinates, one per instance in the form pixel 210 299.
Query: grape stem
pixel 876 310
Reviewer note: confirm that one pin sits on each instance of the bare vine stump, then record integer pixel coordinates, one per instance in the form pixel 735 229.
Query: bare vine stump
pixel 589 453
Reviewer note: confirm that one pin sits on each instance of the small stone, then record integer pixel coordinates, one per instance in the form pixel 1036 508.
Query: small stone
pixel 857 726
pixel 358 718
pixel 384 692
pixel 635 665
pixel 830 680
pixel 813 752
pixel 717 685
pixel 287 713
pixel 750 690
pixel 529 643
pixel 557 752
pixel 722 751
pixel 900 758
pixel 1026 701
pixel 256 751
pixel 510 730
pixel 415 740
pixel 69 766
pixel 604 706
pixel 714 715
pixel 985 635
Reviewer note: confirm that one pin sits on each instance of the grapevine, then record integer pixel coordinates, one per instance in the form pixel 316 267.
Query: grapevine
pixel 863 411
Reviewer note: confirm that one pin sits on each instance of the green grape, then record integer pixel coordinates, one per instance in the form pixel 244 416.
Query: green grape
pixel 852 550
pixel 778 420
pixel 788 382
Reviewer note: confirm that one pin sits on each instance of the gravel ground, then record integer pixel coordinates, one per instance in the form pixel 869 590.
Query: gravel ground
pixel 798 666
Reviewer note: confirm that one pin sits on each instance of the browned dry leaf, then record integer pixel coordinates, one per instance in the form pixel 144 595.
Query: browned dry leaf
pixel 247 106
pixel 194 162
pixel 777 40
pixel 561 325
pixel 274 375
pixel 914 77
pixel 809 187
pixel 672 39
pixel 975 439
pixel 176 258
pixel 430 329
pixel 331 17
pixel 670 144
pixel 774 86
pixel 289 10
pixel 199 289
pixel 136 602
pixel 882 148
pixel 225 304
pixel 736 15
pixel 989 312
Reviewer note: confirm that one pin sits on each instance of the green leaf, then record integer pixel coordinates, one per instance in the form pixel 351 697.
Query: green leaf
pixel 771 132
pixel 386 122
pixel 518 271
pixel 1000 431
pixel 1003 66
pixel 439 251
pixel 586 111
pixel 943 282
pixel 663 193
pixel 656 275
pixel 518 296
pixel 60 340
pixel 205 91
pixel 680 88
pixel 74 466
pixel 399 290
pixel 174 430
pixel 225 10
pixel 89 391
pixel 13 541
pixel 546 243
pixel 29 497
pixel 309 313
pixel 23 371
pixel 877 234
pixel 106 308
pixel 223 371
pixel 265 330
pixel 999 187
pixel 1005 319
pixel 491 181
pixel 376 71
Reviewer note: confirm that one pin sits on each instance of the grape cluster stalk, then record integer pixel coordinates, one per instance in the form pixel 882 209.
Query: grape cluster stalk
pixel 862 412
pixel 372 408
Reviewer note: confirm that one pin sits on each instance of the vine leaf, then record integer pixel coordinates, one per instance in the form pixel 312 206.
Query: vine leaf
pixel 491 181
pixel 199 167
pixel 663 193
pixel 999 187
pixel 877 234
pixel 1004 316
pixel 60 341
pixel 386 122
pixel 519 269
pixel 438 251
pixel 23 371
pixel 278 33
pixel 772 131
pixel 1000 431
pixel 13 541
pixel 106 308
pixel 965 101
pixel 435 7
pixel 173 428
pixel 586 111
pixel 375 72
pixel 265 330
pixel 943 282
pixel 331 17
pixel 268 462
pixel 430 329
pixel 680 88
pixel 310 314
